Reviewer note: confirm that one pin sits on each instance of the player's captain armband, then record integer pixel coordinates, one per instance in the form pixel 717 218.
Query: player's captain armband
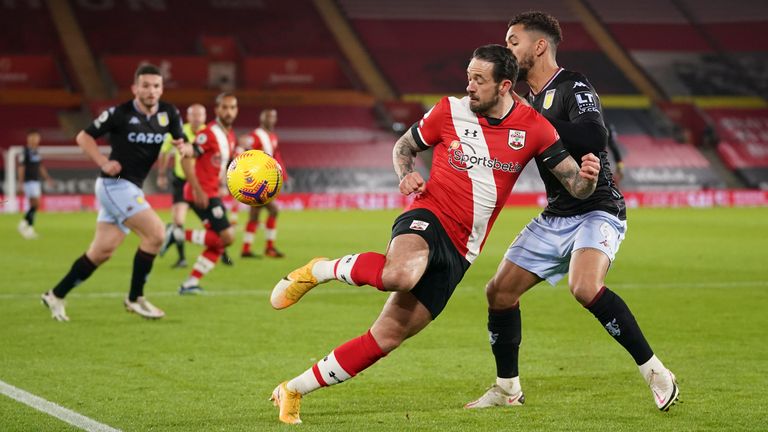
pixel 554 154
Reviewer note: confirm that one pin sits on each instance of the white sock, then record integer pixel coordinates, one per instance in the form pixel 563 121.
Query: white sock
pixel 328 367
pixel 191 281
pixel 198 237
pixel 509 385
pixel 323 270
pixel 652 364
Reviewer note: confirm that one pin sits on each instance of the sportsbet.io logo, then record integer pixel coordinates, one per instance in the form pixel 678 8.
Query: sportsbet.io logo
pixel 463 157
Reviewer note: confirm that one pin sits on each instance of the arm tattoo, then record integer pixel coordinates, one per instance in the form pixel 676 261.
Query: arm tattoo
pixel 567 172
pixel 404 155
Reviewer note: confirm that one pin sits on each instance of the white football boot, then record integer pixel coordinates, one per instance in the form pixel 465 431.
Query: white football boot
pixel 144 308
pixel 664 388
pixel 55 305
pixel 497 396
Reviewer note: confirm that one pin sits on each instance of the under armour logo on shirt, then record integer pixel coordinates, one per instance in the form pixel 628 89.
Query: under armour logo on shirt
pixel 468 132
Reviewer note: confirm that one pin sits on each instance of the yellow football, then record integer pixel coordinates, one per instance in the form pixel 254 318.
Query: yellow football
pixel 254 178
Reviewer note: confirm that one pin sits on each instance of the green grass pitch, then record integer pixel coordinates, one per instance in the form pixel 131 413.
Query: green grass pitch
pixel 696 279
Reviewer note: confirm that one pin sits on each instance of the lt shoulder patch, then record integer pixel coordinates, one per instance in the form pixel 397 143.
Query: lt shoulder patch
pixel 418 225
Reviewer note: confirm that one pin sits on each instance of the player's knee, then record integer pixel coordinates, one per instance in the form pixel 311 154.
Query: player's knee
pixel 99 255
pixel 584 290
pixel 227 237
pixel 155 238
pixel 396 278
pixel 389 339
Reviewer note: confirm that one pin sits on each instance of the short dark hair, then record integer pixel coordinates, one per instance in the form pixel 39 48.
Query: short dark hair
pixel 504 62
pixel 223 95
pixel 541 22
pixel 147 69
pixel 32 131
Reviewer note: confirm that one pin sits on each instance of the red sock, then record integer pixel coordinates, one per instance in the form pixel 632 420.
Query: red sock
pixel 250 230
pixel 364 269
pixel 212 240
pixel 358 354
pixel 271 222
pixel 348 360
pixel 270 231
pixel 206 261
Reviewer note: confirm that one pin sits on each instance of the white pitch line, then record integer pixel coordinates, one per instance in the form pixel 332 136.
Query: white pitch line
pixel 50 408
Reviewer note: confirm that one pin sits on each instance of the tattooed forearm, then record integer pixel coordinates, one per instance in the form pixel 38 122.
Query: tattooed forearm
pixel 567 172
pixel 404 155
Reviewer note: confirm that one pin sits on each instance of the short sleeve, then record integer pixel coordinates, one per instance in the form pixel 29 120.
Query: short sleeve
pixel 203 142
pixel 103 124
pixel 428 131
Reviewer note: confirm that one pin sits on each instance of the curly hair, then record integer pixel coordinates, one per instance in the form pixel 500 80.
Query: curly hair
pixel 541 22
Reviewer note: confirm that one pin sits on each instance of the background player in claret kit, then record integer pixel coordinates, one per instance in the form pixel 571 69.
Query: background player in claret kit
pixel 195 122
pixel 578 237
pixel 264 138
pixel 137 129
pixel 29 173
pixel 480 143
pixel 214 146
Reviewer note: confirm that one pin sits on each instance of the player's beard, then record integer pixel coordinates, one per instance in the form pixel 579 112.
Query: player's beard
pixel 525 64
pixel 148 103
pixel 483 108
pixel 227 121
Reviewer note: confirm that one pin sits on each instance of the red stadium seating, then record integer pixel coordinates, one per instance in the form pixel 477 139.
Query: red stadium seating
pixel 27 29
pixel 170 27
pixel 645 151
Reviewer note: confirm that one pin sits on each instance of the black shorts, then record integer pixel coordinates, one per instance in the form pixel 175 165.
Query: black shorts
pixel 445 267
pixel 215 214
pixel 177 186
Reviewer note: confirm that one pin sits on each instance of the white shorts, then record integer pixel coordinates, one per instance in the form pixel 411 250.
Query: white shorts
pixel 545 245
pixel 119 199
pixel 32 189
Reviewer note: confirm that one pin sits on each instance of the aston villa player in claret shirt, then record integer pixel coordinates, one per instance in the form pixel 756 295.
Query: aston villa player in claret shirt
pixel 136 131
pixel 480 143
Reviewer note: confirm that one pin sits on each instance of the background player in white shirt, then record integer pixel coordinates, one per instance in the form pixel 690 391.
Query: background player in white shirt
pixel 265 139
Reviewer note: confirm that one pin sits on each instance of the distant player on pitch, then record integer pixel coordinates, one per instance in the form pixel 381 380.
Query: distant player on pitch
pixel 136 132
pixel 213 146
pixel 264 138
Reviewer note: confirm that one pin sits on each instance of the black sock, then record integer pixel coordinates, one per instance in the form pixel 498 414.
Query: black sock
pixel 142 265
pixel 30 215
pixel 81 269
pixel 180 244
pixel 616 317
pixel 505 332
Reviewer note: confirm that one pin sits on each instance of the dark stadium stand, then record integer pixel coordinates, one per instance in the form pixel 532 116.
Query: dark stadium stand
pixel 424 47
pixel 283 52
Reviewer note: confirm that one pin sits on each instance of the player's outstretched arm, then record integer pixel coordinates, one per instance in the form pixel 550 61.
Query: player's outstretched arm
pixel 404 160
pixel 579 181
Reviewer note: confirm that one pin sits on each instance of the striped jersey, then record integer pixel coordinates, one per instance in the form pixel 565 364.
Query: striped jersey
pixel 476 162
pixel 214 146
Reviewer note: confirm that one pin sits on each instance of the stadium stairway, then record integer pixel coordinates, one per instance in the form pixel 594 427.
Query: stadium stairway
pixel 717 165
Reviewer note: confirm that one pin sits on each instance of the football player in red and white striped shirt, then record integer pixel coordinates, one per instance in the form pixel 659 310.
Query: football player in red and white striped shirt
pixel 214 146
pixel 264 138
pixel 480 145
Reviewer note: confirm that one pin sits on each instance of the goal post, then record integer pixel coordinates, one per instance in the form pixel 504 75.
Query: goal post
pixel 63 157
